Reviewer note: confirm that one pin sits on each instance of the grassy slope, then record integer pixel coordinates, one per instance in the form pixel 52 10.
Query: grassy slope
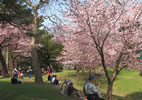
pixel 128 85
pixel 29 91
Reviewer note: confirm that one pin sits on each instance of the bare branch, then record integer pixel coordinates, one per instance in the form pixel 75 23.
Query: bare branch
pixel 29 3
pixel 113 26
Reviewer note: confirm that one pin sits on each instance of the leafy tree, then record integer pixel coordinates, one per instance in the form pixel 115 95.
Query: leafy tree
pixel 49 51
pixel 15 12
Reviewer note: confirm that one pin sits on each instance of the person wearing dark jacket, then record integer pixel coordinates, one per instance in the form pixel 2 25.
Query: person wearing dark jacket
pixel 71 90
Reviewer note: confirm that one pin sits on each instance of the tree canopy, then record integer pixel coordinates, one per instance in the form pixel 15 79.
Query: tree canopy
pixel 49 50
pixel 15 12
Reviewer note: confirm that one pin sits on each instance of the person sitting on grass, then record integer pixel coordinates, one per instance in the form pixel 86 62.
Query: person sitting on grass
pixel 49 77
pixel 56 81
pixel 91 91
pixel 64 87
pixel 71 90
pixel 15 81
pixel 52 79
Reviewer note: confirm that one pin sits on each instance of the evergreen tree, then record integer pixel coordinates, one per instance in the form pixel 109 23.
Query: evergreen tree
pixel 49 51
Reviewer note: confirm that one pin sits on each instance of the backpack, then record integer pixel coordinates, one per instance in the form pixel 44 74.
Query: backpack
pixel 84 90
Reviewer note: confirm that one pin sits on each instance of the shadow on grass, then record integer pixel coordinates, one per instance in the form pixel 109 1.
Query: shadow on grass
pixel 133 96
pixel 30 91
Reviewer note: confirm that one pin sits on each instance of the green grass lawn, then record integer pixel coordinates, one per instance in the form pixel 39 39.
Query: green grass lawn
pixel 128 85
pixel 29 91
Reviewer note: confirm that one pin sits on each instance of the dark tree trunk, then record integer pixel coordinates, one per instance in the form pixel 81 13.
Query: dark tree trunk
pixel 10 65
pixel 36 66
pixel 90 72
pixel 109 90
pixel 83 71
pixel 3 67
pixel 109 80
pixel 35 60
pixel 77 77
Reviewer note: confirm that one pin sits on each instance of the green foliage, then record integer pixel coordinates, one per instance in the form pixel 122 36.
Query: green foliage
pixel 57 66
pixel 24 62
pixel 15 11
pixel 49 50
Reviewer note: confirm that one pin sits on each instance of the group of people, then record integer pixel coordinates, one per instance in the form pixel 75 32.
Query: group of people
pixel 91 92
pixel 14 79
pixel 67 88
pixel 53 78
pixel 16 74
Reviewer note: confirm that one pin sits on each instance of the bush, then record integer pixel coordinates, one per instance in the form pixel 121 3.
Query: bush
pixel 58 67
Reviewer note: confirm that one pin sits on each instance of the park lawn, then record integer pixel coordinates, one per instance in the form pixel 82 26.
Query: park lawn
pixel 128 85
pixel 29 91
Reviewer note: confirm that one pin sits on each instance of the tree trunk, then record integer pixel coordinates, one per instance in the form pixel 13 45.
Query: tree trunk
pixel 83 71
pixel 36 66
pixel 110 82
pixel 77 76
pixel 90 72
pixel 11 65
pixel 35 60
pixel 7 58
pixel 109 90
pixel 94 69
pixel 3 63
pixel 51 68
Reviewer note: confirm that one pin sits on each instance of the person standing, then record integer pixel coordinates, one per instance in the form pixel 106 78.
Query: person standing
pixel 91 91
pixel 30 72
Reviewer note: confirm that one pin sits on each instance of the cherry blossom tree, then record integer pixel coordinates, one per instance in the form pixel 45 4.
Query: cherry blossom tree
pixel 9 36
pixel 79 52
pixel 20 48
pixel 113 28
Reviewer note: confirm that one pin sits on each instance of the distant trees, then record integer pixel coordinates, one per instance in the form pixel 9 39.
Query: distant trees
pixel 20 31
